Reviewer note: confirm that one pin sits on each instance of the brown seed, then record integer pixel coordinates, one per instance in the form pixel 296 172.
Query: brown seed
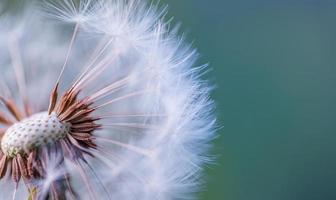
pixel 3 165
pixel 15 171
pixel 53 99
pixel 22 166
pixel 12 108
pixel 30 167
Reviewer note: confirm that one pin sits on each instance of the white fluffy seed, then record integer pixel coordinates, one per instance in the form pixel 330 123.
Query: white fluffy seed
pixel 37 130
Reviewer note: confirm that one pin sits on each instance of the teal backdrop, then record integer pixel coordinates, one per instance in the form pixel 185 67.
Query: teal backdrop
pixel 273 63
pixel 274 67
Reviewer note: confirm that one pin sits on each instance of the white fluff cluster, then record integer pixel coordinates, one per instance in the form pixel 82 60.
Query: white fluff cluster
pixel 155 110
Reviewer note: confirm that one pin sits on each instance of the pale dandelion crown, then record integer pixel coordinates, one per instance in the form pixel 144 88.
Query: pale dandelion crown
pixel 100 100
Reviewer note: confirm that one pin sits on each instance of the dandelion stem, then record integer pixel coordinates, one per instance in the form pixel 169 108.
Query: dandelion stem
pixel 97 52
pixel 95 72
pixel 68 52
pixel 122 98
pixel 18 68
pixel 131 125
pixel 15 190
pixel 124 145
pixel 113 87
pixel 108 116
pixel 98 179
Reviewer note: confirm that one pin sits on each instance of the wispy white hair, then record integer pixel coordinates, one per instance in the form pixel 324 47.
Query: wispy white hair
pixel 155 109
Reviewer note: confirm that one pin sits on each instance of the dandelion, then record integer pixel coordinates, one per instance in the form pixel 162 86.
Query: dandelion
pixel 100 100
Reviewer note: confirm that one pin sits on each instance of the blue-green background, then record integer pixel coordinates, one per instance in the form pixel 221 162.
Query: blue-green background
pixel 274 66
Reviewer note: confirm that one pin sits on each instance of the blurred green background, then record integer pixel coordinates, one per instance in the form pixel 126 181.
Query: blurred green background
pixel 274 65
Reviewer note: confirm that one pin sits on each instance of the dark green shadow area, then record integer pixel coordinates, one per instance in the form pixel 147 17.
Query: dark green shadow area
pixel 274 65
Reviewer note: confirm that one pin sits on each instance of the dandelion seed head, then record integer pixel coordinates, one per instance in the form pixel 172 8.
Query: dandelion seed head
pixel 102 103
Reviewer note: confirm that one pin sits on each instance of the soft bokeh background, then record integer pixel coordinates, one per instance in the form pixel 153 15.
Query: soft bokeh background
pixel 274 65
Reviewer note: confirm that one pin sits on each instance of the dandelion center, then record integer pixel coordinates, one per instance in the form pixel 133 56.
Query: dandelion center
pixel 38 130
